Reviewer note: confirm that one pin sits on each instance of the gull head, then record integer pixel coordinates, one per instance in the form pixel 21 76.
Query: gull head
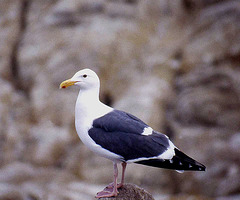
pixel 85 79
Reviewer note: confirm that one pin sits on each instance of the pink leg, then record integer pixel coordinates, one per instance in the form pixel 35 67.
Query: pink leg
pixel 110 192
pixel 124 165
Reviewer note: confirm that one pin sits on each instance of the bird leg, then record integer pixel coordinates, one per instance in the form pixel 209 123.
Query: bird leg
pixel 110 192
pixel 119 185
pixel 124 165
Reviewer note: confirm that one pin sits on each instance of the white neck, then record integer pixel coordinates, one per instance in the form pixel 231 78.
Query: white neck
pixel 88 97
pixel 88 106
pixel 86 101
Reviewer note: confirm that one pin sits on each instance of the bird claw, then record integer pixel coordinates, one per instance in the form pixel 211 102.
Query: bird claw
pixel 107 192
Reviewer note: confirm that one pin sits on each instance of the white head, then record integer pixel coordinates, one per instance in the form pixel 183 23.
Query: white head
pixel 86 79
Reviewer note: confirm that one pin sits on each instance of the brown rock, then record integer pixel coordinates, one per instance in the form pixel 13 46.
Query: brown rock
pixel 131 191
pixel 211 32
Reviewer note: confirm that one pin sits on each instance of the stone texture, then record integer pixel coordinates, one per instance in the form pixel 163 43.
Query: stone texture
pixel 210 39
pixel 131 191
pixel 25 181
pixel 9 23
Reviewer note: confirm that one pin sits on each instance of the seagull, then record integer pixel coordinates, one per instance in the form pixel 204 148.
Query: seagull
pixel 120 136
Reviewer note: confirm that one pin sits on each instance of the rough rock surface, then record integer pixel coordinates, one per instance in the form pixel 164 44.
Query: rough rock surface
pixel 174 64
pixel 131 191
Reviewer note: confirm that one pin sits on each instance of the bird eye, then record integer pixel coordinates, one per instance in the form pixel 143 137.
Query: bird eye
pixel 85 76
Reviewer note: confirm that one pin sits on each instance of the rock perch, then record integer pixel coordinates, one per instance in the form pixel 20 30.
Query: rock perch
pixel 130 192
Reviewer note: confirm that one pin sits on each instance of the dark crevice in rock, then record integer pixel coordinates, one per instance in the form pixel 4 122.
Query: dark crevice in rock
pixel 14 56
pixel 66 19
pixel 107 99
pixel 234 59
pixel 168 130
pixel 188 5
pixel 194 5
pixel 131 1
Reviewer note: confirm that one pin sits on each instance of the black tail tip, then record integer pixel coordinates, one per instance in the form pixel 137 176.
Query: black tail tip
pixel 199 166
pixel 202 168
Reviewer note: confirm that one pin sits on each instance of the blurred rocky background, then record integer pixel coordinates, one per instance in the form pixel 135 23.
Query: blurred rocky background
pixel 174 64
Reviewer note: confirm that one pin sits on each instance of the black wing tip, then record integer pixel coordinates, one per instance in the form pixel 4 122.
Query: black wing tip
pixel 196 166
pixel 201 167
pixel 178 162
pixel 174 164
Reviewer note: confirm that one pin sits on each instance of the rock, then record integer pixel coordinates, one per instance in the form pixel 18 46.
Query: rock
pixel 209 36
pixel 51 143
pixel 205 93
pixel 120 9
pixel 9 25
pixel 205 110
pixel 131 191
pixel 141 98
pixel 231 197
pixel 25 181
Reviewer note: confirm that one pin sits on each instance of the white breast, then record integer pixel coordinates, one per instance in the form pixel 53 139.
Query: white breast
pixel 85 113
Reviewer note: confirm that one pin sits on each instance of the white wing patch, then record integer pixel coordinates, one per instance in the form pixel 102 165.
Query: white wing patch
pixel 141 159
pixel 180 171
pixel 169 153
pixel 147 131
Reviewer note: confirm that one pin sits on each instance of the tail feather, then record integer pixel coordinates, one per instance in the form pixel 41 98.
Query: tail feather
pixel 179 162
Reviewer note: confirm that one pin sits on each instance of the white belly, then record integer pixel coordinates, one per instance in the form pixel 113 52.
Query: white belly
pixel 89 142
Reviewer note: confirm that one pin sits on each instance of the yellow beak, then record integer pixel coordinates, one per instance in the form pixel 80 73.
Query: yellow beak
pixel 67 83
